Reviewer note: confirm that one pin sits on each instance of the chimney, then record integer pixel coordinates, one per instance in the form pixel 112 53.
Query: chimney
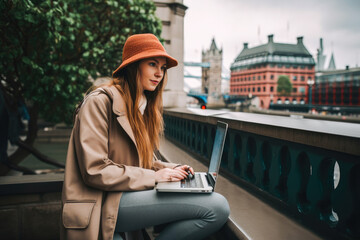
pixel 245 45
pixel 347 67
pixel 270 38
pixel 300 40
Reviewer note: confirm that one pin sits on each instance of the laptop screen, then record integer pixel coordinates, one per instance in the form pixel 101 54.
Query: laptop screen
pixel 217 150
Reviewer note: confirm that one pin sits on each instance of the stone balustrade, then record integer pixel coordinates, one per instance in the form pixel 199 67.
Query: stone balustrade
pixel 309 169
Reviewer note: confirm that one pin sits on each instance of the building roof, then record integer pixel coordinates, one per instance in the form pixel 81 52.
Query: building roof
pixel 272 48
pixel 347 70
pixel 285 53
pixel 213 45
pixel 213 48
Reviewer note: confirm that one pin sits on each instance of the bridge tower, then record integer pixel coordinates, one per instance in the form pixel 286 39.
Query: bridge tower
pixel 211 77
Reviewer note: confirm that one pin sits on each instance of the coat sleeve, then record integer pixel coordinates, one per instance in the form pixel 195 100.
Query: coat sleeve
pixel 91 143
pixel 158 164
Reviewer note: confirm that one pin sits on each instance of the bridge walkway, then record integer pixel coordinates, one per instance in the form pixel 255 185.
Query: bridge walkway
pixel 255 219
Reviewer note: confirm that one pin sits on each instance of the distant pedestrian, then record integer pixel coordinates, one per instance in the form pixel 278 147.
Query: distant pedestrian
pixel 111 168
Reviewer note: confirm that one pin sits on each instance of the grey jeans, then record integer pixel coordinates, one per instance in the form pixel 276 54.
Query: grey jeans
pixel 190 216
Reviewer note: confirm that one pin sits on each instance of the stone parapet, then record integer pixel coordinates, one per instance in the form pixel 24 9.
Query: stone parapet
pixel 30 206
pixel 306 168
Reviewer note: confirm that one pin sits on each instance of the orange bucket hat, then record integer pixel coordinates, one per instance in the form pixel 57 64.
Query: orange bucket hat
pixel 142 46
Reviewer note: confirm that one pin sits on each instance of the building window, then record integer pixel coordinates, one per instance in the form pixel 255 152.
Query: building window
pixel 302 78
pixel 271 89
pixel 264 89
pixel 294 89
pixel 259 77
pixel 272 77
pixel 264 77
pixel 309 78
pixel 248 89
pixel 253 89
pixel 259 89
pixel 294 78
pixel 253 77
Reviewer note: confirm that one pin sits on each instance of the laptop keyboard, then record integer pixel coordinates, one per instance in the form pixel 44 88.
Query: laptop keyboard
pixel 192 183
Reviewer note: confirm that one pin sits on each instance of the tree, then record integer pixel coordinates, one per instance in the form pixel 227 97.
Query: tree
pixel 50 49
pixel 284 86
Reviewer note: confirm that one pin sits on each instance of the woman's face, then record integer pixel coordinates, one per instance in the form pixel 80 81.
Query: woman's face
pixel 151 71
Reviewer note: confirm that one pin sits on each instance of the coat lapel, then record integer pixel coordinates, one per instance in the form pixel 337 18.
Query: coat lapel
pixel 124 122
pixel 119 108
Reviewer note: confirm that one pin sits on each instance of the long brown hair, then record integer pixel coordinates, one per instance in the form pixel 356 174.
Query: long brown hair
pixel 147 128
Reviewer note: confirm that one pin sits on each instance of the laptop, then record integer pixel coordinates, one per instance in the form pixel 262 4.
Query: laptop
pixel 201 182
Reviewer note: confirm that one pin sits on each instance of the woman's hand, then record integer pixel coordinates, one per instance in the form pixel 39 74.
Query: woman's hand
pixel 186 168
pixel 170 175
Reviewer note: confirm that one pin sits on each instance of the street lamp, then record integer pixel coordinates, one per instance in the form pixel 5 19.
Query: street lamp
pixel 310 82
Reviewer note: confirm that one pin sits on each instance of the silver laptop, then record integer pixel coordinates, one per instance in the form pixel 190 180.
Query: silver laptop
pixel 202 182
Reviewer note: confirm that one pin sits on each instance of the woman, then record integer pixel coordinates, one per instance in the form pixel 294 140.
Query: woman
pixel 111 168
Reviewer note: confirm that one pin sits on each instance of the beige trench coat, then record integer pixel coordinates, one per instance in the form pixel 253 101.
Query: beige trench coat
pixel 102 162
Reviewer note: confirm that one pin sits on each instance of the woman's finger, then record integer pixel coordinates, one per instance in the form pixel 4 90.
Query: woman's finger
pixel 188 168
pixel 179 175
pixel 182 172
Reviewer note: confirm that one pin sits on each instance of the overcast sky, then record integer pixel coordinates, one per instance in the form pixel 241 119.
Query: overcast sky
pixel 233 22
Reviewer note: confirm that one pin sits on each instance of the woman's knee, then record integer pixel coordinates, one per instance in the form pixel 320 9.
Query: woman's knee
pixel 220 207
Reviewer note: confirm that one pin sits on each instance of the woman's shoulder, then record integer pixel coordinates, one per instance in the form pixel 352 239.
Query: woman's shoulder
pixel 105 98
pixel 96 101
pixel 98 95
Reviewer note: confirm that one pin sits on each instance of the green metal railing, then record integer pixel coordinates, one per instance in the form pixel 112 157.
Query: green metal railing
pixel 317 185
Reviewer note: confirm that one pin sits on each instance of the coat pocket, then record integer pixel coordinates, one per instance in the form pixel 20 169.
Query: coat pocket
pixel 77 214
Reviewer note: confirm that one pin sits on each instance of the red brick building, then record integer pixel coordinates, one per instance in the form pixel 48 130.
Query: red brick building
pixel 256 70
pixel 337 87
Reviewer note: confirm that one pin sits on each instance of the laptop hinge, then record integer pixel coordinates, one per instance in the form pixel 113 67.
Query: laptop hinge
pixel 210 180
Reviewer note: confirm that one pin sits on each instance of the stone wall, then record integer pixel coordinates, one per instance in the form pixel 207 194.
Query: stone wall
pixel 25 215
